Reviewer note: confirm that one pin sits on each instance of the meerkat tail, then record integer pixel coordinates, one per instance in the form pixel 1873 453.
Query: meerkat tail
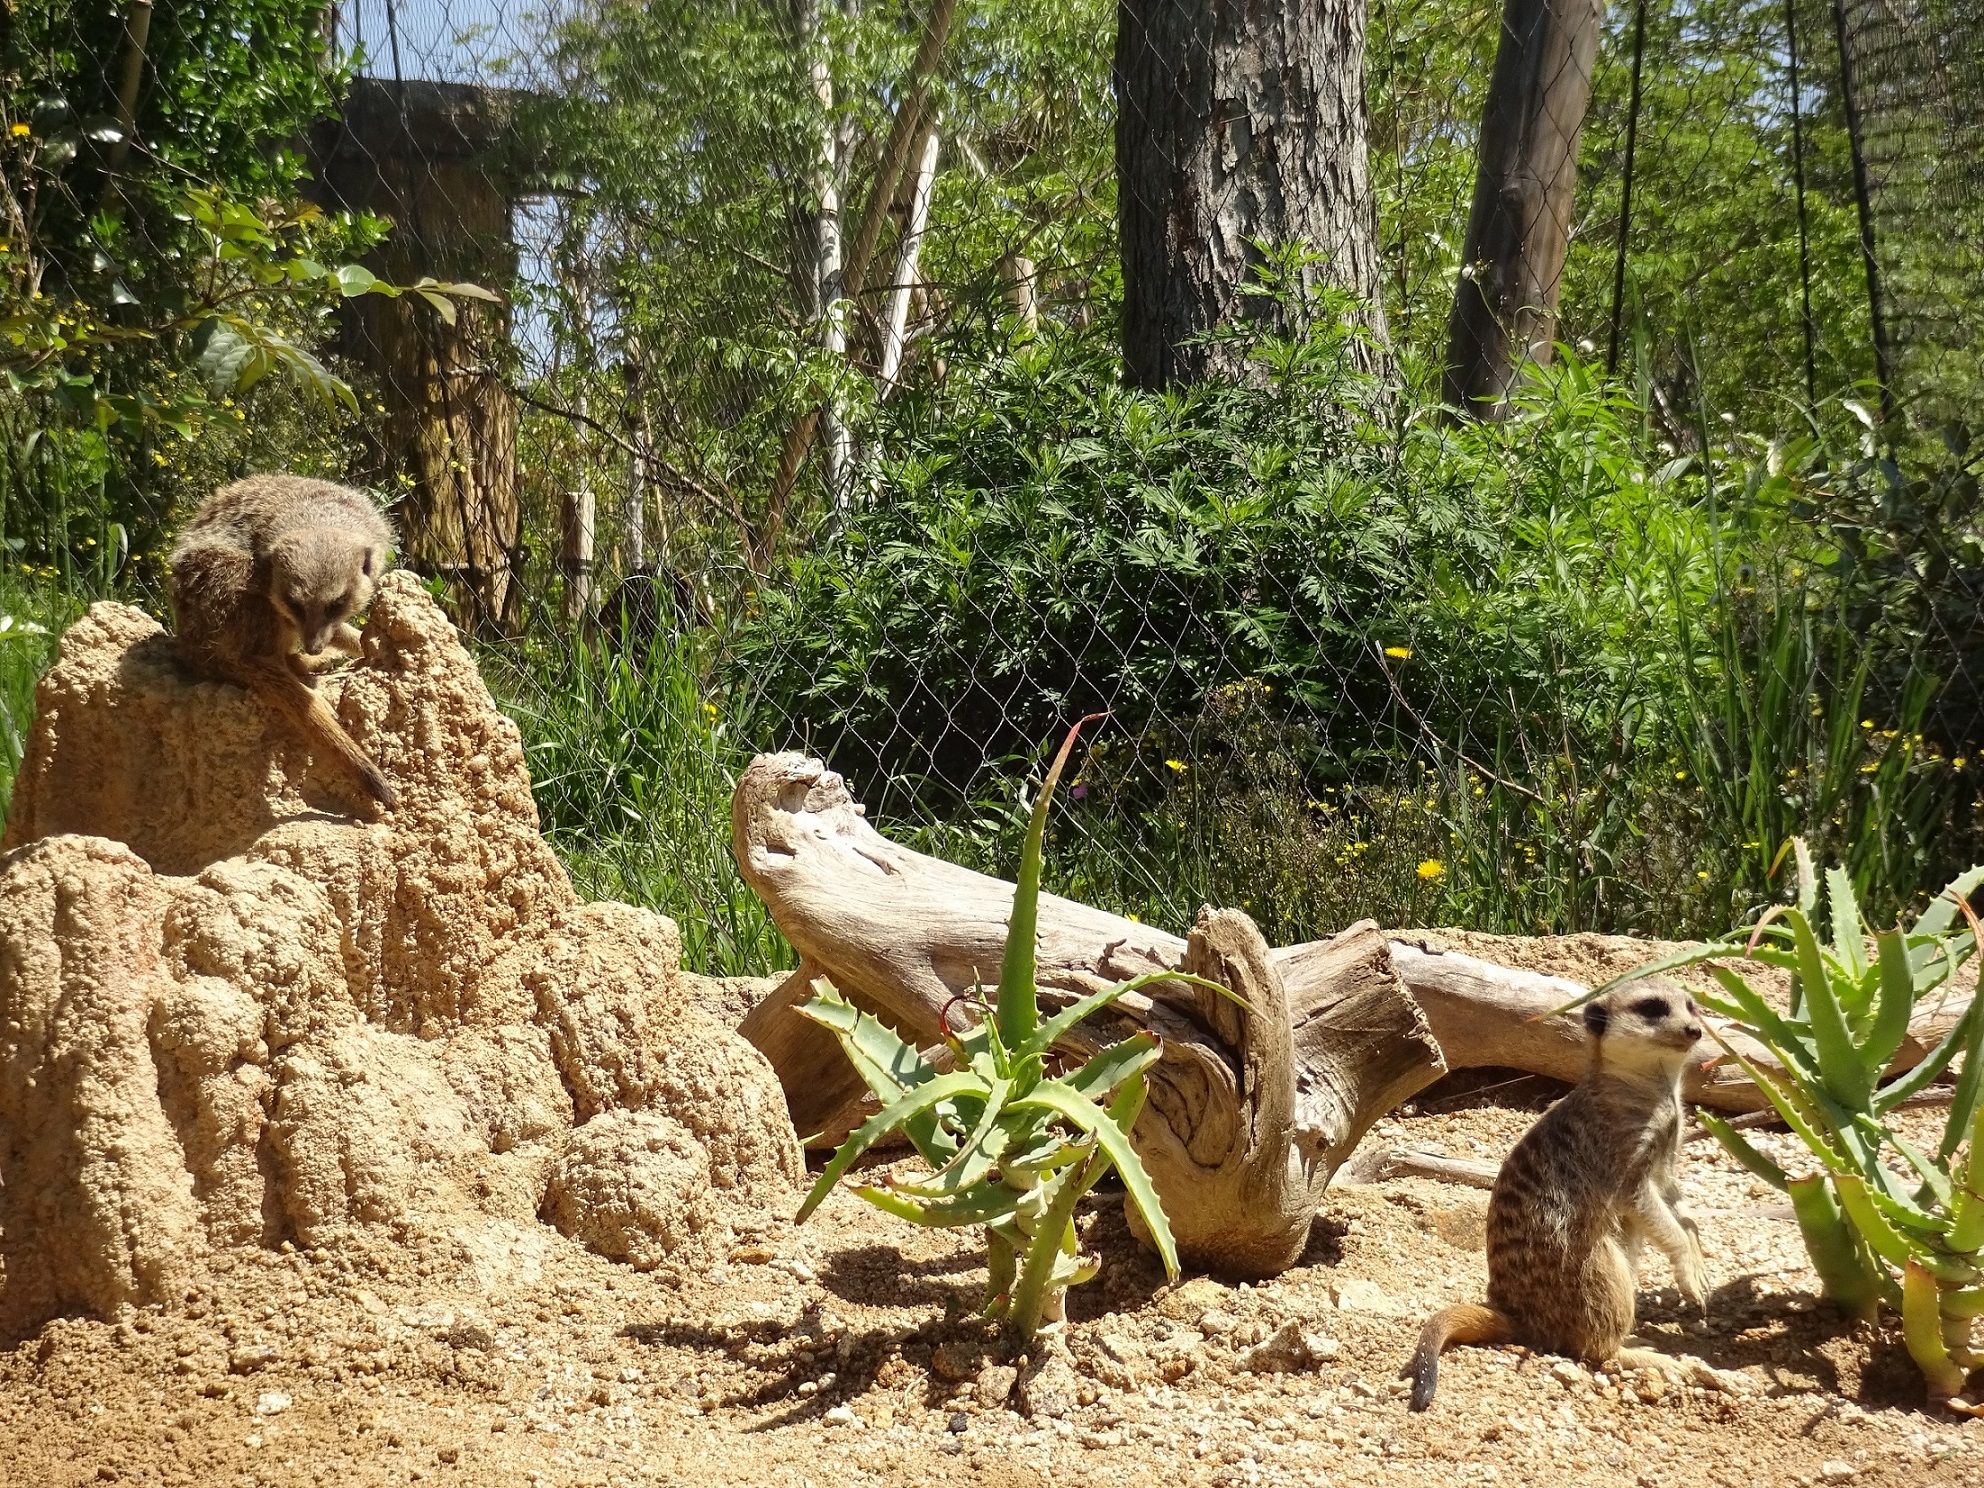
pixel 305 709
pixel 1466 1323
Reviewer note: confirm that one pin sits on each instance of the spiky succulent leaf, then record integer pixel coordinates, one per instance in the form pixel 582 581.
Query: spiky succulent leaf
pixel 1115 1142
pixel 1742 1149
pixel 911 1103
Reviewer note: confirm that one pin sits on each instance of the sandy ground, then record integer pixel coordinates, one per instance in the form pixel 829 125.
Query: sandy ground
pixel 844 1352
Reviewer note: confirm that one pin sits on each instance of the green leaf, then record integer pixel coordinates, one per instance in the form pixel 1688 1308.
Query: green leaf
pixel 922 1098
pixel 1112 1066
pixel 1769 1027
pixel 1895 1003
pixel 1942 910
pixel 980 1149
pixel 1921 1076
pixel 1115 1142
pixel 1799 1107
pixel 1058 1026
pixel 354 279
pixel 1053 1243
pixel 1673 960
pixel 886 1064
pixel 1848 937
pixel 1743 1150
pixel 1842 1073
pixel 983 1204
pixel 1018 1009
pixel 1969 1082
pixel 1846 1276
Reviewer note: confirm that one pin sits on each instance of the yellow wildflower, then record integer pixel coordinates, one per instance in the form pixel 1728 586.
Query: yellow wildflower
pixel 1178 765
pixel 1399 653
pixel 20 131
pixel 1432 868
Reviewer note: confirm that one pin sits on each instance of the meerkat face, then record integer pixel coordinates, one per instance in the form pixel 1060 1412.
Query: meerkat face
pixel 319 579
pixel 1644 1023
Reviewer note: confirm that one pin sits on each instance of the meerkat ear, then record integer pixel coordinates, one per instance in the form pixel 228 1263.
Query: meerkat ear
pixel 1597 1017
pixel 371 564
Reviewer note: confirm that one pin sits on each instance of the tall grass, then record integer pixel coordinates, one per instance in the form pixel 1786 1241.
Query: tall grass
pixel 633 762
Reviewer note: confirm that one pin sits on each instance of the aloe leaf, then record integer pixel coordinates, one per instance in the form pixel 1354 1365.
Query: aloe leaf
pixel 1942 910
pixel 1845 1276
pixel 1764 1022
pixel 1926 1167
pixel 980 1205
pixel 1801 1112
pixel 910 1103
pixel 1849 939
pixel 1841 1073
pixel 981 1148
pixel 1922 1331
pixel 1895 1005
pixel 1967 1212
pixel 1969 1079
pixel 886 1064
pixel 1115 1143
pixel 1903 1212
pixel 1691 956
pixel 1743 1150
pixel 1053 1238
pixel 1058 1026
pixel 1018 1010
pixel 1112 1066
pixel 1889 1243
pixel 1924 1074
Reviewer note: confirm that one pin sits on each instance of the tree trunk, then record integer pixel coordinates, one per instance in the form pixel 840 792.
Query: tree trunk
pixel 895 326
pixel 1237 122
pixel 427 155
pixel 1512 264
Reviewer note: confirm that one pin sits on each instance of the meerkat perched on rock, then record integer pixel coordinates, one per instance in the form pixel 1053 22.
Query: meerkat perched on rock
pixel 265 579
pixel 1588 1184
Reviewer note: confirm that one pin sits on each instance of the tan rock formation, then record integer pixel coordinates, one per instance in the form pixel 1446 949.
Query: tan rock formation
pixel 231 1015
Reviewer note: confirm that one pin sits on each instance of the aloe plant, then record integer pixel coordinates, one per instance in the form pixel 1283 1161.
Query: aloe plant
pixel 1009 1146
pixel 1883 1221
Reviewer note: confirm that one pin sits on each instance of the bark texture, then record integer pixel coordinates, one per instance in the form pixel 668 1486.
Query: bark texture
pixel 1238 122
pixel 1512 264
pixel 428 156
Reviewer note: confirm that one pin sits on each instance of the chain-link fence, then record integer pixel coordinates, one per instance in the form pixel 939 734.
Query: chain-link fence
pixel 900 382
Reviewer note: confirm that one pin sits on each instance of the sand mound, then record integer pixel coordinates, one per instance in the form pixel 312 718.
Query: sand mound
pixel 233 1016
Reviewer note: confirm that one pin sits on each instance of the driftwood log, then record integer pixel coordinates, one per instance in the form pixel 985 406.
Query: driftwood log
pixel 1250 1115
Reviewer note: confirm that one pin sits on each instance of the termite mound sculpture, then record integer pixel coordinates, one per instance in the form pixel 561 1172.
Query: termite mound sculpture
pixel 232 1017
pixel 1250 1114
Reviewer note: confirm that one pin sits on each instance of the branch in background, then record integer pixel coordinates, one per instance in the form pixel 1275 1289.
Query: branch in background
pixel 723 506
pixel 897 321
pixel 854 271
pixel 137 36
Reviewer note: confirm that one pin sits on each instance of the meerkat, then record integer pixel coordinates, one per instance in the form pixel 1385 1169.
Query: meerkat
pixel 265 579
pixel 1587 1185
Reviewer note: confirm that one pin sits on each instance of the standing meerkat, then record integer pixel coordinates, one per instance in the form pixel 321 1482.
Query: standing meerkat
pixel 1583 1189
pixel 265 579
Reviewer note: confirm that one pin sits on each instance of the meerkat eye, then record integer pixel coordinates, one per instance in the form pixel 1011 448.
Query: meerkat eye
pixel 1651 1008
